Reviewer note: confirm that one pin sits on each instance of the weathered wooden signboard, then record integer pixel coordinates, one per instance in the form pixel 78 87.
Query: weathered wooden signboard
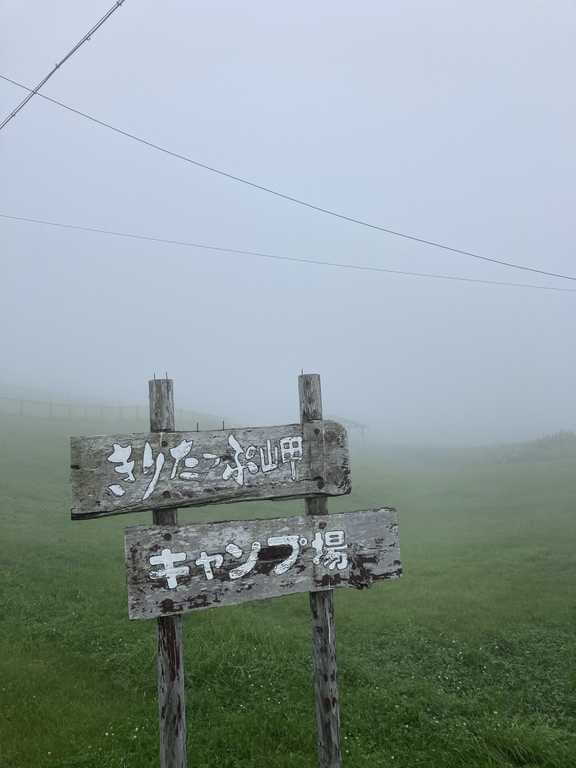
pixel 176 570
pixel 173 570
pixel 129 473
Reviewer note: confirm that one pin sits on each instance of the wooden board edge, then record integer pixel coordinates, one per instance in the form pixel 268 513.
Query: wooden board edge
pixel 233 521
pixel 391 575
pixel 76 515
pixel 76 512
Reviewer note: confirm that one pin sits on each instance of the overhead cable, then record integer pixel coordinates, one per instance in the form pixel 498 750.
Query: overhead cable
pixel 34 91
pixel 277 257
pixel 290 198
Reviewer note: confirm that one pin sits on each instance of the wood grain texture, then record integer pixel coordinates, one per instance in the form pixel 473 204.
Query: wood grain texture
pixel 171 692
pixel 108 480
pixel 327 703
pixel 310 397
pixel 326 697
pixel 162 419
pixel 161 404
pixel 371 546
pixel 169 648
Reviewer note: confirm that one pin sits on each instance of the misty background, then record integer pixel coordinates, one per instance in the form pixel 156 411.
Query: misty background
pixel 447 120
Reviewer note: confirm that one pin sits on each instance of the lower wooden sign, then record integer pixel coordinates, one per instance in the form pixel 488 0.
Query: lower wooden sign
pixel 176 569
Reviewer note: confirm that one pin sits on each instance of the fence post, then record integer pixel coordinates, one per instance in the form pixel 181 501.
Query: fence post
pixel 322 608
pixel 171 696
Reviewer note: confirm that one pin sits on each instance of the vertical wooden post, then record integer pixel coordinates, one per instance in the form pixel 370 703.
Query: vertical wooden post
pixel 322 607
pixel 171 697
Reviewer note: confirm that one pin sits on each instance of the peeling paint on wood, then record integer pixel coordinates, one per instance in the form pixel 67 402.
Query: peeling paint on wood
pixel 173 570
pixel 129 473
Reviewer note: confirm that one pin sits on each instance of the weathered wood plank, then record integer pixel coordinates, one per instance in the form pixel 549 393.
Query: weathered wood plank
pixel 128 473
pixel 170 647
pixel 171 692
pixel 326 696
pixel 173 570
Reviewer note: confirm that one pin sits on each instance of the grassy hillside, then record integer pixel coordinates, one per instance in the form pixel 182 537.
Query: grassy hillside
pixel 558 447
pixel 468 660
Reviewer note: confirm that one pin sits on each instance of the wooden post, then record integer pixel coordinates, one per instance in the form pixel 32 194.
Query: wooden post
pixel 322 607
pixel 171 697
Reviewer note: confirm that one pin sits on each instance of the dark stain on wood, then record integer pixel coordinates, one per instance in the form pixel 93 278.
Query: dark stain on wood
pixel 199 601
pixel 330 580
pixel 372 548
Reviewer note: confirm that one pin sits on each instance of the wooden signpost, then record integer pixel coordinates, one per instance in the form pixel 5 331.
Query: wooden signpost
pixel 172 569
pixel 206 565
pixel 166 469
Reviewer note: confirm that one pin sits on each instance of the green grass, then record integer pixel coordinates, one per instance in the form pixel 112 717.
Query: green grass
pixel 468 660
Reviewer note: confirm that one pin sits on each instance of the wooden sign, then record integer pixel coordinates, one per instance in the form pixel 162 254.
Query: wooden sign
pixel 174 570
pixel 128 473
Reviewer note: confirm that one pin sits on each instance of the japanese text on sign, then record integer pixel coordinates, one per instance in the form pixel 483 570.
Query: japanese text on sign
pixel 329 547
pixel 176 569
pixel 132 472
pixel 186 466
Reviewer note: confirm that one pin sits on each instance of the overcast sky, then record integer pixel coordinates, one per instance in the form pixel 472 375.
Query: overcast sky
pixel 452 121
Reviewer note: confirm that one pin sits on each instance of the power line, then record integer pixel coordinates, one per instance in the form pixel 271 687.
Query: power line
pixel 56 67
pixel 290 198
pixel 276 257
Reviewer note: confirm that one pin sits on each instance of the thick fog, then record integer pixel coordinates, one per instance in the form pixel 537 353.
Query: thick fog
pixel 451 121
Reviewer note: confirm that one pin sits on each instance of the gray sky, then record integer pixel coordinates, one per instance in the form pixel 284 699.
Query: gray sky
pixel 453 121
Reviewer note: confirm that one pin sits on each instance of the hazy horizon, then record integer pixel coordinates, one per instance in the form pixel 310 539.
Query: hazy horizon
pixel 449 121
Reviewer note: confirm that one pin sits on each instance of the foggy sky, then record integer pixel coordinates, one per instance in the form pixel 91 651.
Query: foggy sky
pixel 452 121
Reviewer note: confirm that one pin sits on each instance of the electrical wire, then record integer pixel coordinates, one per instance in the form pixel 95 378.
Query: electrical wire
pixel 290 198
pixel 276 257
pixel 33 91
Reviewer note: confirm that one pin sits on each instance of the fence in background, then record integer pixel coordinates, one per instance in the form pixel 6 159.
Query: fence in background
pixel 75 410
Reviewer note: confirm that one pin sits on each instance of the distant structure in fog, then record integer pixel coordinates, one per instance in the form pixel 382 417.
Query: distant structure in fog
pixel 351 426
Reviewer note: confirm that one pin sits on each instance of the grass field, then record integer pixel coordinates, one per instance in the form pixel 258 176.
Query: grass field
pixel 468 660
